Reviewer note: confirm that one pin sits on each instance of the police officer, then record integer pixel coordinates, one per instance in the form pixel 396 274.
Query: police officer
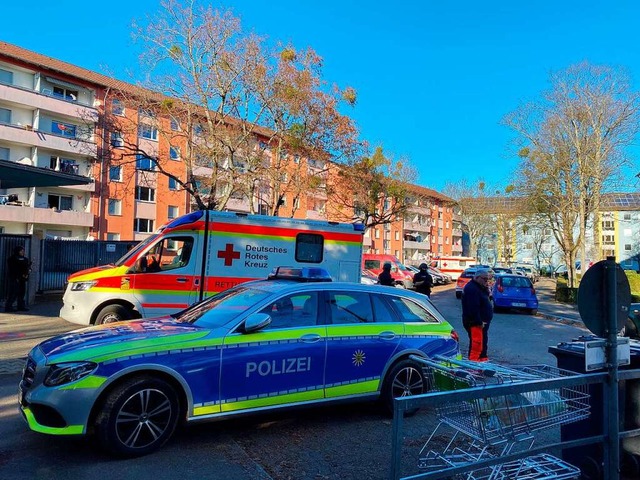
pixel 385 277
pixel 18 268
pixel 477 313
pixel 422 280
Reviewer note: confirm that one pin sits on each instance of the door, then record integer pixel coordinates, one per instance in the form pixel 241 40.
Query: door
pixel 166 278
pixel 362 335
pixel 280 364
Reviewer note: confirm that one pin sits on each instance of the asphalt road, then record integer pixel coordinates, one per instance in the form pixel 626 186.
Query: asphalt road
pixel 344 442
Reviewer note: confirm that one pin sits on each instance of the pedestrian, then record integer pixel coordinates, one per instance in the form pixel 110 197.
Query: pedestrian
pixel 18 268
pixel 422 281
pixel 477 313
pixel 385 277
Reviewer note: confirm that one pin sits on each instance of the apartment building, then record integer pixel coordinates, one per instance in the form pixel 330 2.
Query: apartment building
pixel 83 182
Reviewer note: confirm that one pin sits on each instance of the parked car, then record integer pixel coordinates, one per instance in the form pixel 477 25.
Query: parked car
pixel 530 272
pixel 631 328
pixel 463 279
pixel 288 341
pixel 368 278
pixel 401 274
pixel 445 276
pixel 502 270
pixel 514 291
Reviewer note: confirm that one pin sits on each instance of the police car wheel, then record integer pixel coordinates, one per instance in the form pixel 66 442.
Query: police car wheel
pixel 111 314
pixel 404 379
pixel 138 417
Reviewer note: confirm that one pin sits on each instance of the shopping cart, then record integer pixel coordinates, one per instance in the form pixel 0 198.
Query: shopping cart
pixel 494 426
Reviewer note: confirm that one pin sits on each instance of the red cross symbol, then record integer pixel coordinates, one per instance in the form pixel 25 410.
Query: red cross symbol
pixel 444 264
pixel 228 254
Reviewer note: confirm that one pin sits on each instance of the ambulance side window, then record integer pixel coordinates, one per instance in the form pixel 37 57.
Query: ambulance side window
pixel 309 248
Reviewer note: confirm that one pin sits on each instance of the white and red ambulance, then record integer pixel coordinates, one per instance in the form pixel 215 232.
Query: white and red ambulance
pixel 205 252
pixel 453 265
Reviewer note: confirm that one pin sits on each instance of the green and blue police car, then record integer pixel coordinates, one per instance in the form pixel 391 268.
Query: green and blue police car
pixel 264 344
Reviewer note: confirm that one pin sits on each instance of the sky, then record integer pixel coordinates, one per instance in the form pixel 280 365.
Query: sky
pixel 434 79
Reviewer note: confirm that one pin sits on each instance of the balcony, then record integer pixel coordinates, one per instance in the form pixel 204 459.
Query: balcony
pixel 46 216
pixel 35 100
pixel 425 246
pixel 456 248
pixel 456 232
pixel 25 135
pixel 316 215
pixel 417 227
pixel 421 210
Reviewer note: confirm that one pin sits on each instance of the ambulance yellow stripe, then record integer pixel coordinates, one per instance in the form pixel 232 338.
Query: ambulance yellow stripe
pixel 109 272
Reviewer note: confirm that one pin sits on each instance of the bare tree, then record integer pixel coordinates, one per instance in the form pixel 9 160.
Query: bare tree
pixel 372 190
pixel 572 145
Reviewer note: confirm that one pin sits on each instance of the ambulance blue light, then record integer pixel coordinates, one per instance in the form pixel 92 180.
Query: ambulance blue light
pixel 304 274
pixel 190 218
pixel 358 227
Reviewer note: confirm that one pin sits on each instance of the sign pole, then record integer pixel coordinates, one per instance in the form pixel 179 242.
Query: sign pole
pixel 612 459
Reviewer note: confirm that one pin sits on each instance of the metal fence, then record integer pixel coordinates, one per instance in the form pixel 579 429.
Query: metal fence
pixel 8 243
pixel 487 431
pixel 60 258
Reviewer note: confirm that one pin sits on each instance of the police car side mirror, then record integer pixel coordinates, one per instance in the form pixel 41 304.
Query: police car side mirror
pixel 256 321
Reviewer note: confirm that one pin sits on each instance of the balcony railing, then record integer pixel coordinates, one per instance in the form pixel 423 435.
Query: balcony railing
pixel 417 245
pixel 45 216
pixel 49 103
pixel 25 134
pixel 417 227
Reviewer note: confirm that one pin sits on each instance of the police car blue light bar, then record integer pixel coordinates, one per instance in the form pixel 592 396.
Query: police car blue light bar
pixel 304 274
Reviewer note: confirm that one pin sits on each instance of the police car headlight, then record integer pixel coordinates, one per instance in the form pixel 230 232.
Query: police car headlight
pixel 62 373
pixel 82 286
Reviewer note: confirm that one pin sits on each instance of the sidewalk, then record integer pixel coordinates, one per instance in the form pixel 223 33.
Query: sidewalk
pixel 552 310
pixel 21 331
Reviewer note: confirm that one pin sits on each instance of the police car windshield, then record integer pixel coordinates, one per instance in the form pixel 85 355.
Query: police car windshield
pixel 223 307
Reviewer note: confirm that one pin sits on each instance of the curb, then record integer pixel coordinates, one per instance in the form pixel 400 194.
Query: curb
pixel 556 318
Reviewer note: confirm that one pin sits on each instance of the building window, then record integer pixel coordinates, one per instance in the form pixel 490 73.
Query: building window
pixel 626 216
pixel 117 140
pixel 4 153
pixel 173 184
pixel 65 93
pixel 172 212
pixel 143 225
pixel 60 202
pixel 115 207
pixel 6 77
pixel 174 153
pixel 607 225
pixel 117 107
pixel 63 129
pixel 627 247
pixel 145 163
pixel 146 113
pixel 148 132
pixel 145 194
pixel 115 173
pixel 175 126
pixel 5 116
pixel 113 236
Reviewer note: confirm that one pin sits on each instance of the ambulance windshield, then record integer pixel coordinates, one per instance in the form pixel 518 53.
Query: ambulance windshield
pixel 133 251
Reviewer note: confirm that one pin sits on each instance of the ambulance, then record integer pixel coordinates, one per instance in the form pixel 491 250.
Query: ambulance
pixel 453 265
pixel 203 253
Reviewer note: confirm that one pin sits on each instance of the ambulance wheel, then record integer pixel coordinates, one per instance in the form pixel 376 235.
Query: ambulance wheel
pixel 404 379
pixel 112 313
pixel 137 417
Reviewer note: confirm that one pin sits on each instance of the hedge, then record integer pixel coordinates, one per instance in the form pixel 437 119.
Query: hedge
pixel 565 294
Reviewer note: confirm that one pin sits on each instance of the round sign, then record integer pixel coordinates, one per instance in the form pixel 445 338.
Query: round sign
pixel 592 298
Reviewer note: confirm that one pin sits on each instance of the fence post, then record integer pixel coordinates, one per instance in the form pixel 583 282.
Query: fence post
pixel 612 446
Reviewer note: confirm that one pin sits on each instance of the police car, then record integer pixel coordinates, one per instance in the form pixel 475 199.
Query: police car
pixel 263 344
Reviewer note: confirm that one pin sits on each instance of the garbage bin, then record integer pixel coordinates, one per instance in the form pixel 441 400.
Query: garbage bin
pixel 589 458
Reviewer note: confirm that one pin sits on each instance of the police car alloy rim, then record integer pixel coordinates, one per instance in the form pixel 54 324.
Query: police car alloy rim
pixel 143 418
pixel 407 381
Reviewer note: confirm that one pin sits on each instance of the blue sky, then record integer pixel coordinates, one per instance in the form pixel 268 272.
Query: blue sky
pixel 434 79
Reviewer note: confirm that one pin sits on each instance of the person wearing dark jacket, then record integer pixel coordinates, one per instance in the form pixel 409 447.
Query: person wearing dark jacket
pixel 18 268
pixel 385 277
pixel 422 280
pixel 477 313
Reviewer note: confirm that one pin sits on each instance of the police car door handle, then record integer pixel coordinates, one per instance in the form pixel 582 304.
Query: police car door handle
pixel 181 280
pixel 387 335
pixel 310 338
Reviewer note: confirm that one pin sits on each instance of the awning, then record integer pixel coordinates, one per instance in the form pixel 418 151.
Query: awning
pixel 17 175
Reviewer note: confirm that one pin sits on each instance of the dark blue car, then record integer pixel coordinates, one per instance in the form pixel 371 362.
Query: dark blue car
pixel 514 291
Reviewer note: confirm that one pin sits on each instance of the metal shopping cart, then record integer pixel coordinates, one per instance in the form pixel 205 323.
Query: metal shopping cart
pixel 494 426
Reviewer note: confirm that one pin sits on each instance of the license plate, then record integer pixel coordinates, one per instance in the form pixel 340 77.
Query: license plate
pixel 519 304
